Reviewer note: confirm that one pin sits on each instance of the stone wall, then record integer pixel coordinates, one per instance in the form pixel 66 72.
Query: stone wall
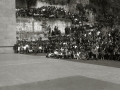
pixel 7 26
pixel 26 25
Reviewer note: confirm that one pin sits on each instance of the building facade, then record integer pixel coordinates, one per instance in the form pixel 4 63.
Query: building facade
pixel 7 26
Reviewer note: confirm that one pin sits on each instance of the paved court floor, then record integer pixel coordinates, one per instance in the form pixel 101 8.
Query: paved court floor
pixel 29 72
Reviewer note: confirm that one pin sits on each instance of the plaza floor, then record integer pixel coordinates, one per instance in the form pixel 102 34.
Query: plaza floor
pixel 36 72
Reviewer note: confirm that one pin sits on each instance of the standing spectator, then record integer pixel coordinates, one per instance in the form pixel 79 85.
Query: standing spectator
pixel 49 30
pixel 40 48
pixel 67 30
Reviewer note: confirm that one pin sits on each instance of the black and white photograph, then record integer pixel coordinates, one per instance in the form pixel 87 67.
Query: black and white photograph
pixel 60 45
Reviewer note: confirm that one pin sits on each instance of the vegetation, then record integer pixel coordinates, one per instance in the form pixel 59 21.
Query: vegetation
pixel 107 11
pixel 28 3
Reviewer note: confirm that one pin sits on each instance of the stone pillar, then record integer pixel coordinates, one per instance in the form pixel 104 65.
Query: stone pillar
pixel 7 26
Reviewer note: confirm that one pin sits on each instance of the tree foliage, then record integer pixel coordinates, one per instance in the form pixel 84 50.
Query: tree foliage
pixel 29 3
pixel 109 10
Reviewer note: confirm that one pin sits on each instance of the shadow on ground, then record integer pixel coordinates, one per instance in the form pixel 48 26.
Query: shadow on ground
pixel 67 83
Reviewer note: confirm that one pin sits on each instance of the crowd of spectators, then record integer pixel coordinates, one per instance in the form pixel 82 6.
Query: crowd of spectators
pixel 88 44
pixel 77 43
pixel 28 47
pixel 50 12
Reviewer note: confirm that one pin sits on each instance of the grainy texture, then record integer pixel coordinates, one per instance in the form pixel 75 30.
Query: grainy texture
pixel 7 25
pixel 29 72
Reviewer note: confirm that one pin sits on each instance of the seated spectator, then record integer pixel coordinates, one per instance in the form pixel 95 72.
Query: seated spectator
pixel 56 53
pixel 40 49
pixel 78 55
pixel 30 50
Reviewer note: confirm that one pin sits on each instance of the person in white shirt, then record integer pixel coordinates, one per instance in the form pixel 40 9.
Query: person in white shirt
pixel 19 49
pixel 27 47
pixel 62 49
pixel 40 49
pixel 56 52
pixel 96 51
pixel 78 55
pixel 24 48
